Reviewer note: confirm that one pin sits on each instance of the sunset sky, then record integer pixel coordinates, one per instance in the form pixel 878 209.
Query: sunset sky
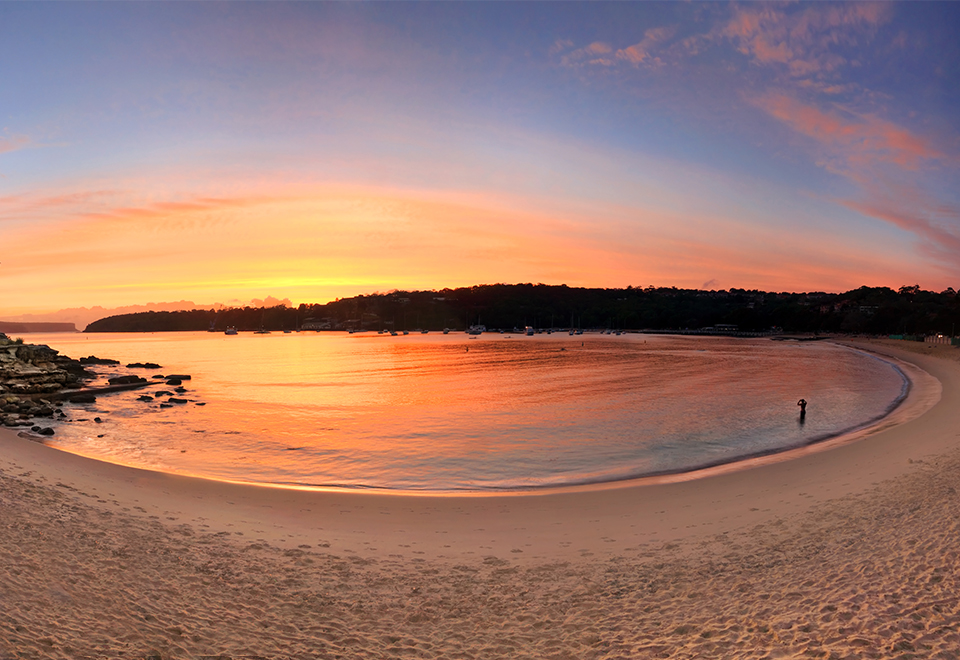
pixel 225 152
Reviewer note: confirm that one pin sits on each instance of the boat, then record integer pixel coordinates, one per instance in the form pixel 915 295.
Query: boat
pixel 476 329
pixel 261 331
pixel 230 330
pixel 528 331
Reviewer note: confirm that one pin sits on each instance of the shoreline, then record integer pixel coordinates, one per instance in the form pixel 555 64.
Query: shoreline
pixel 731 563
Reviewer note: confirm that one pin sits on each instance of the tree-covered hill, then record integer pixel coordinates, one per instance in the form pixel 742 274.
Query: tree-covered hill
pixel 874 310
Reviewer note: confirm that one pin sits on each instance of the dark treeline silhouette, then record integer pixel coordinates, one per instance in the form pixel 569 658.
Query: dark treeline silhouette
pixel 872 310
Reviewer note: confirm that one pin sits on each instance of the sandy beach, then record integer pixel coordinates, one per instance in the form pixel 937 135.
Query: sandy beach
pixel 847 550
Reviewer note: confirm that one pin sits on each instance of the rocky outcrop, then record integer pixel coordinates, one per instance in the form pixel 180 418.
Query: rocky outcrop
pixel 36 369
pixel 30 376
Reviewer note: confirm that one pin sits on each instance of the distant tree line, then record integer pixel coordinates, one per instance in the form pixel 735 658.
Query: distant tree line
pixel 872 310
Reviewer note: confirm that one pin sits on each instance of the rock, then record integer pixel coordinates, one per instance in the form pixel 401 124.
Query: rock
pixel 46 431
pixel 163 393
pixel 179 376
pixel 98 420
pixel 93 359
pixel 144 365
pixel 174 381
pixel 180 390
pixel 145 397
pixel 174 399
pixel 166 405
pixel 126 380
pixel 160 376
pixel 201 403
pixel 83 398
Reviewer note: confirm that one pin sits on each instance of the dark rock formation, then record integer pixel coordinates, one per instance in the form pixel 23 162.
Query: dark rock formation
pixel 126 380
pixel 93 359
pixel 144 365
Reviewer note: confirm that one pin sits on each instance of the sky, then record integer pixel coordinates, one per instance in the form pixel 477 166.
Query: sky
pixel 229 152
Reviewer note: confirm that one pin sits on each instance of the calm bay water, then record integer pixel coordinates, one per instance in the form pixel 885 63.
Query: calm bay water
pixel 450 412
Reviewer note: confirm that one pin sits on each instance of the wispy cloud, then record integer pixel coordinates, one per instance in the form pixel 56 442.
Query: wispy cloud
pixel 939 240
pixel 27 206
pixel 596 53
pixel 13 142
pixel 174 211
pixel 641 52
pixel 856 140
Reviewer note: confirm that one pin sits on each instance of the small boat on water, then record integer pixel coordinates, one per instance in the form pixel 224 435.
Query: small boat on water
pixel 230 330
pixel 528 331
pixel 476 329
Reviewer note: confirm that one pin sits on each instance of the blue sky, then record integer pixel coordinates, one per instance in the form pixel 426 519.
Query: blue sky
pixel 226 151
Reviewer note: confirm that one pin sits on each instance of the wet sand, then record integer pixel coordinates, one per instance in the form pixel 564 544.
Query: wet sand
pixel 844 550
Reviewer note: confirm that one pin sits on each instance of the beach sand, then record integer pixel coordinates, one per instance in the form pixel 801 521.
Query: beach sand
pixel 849 551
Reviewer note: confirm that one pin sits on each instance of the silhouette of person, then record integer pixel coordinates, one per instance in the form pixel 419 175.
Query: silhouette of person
pixel 803 407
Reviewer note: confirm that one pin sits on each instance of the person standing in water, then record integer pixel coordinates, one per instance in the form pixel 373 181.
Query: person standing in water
pixel 803 408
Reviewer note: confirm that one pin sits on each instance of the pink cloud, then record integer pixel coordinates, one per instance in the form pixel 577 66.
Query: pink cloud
pixel 801 40
pixel 13 143
pixel 174 210
pixel 641 51
pixel 593 53
pixel 856 140
pixel 939 242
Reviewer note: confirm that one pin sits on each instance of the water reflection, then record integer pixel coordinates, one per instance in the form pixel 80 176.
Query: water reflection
pixel 451 412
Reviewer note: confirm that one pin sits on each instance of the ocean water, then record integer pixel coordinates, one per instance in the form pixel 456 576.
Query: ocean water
pixel 453 413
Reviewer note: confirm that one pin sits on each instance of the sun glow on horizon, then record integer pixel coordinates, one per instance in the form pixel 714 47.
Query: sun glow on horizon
pixel 726 146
